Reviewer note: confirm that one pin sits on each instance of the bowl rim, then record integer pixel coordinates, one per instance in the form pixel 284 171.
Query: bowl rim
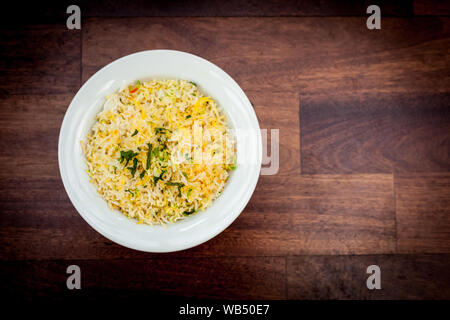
pixel 228 219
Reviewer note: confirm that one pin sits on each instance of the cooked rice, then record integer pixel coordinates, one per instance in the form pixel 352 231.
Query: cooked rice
pixel 159 151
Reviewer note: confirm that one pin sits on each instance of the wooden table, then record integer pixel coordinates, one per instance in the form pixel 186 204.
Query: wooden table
pixel 364 178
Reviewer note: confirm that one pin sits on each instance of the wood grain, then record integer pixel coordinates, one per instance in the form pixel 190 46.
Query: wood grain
pixel 287 215
pixel 385 133
pixel 344 277
pixel 280 111
pixel 224 278
pixel 29 127
pixel 315 57
pixel 39 59
pixel 423 212
pixel 318 214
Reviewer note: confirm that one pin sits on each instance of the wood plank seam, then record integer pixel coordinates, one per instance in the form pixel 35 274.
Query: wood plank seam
pixel 287 257
pixel 394 191
pixel 300 132
pixel 286 283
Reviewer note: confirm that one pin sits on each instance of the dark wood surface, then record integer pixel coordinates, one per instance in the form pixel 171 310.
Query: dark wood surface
pixel 364 173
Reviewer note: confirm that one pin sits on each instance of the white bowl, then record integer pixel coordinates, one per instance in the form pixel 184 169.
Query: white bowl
pixel 198 228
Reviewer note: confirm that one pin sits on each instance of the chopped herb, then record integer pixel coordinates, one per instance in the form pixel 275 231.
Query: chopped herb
pixel 159 153
pixel 193 83
pixel 157 178
pixel 142 174
pixel 161 130
pixel 189 212
pixel 163 155
pixel 134 167
pixel 139 83
pixel 188 116
pixel 127 155
pixel 139 148
pixel 233 167
pixel 135 133
pixel 131 192
pixel 189 192
pixel 115 169
pixel 155 152
pixel 177 184
pixel 149 156
pixel 184 174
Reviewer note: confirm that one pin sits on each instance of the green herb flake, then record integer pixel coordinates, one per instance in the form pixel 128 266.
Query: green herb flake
pixel 131 192
pixel 134 167
pixel 156 151
pixel 163 155
pixel 127 156
pixel 135 133
pixel 193 83
pixel 157 178
pixel 189 212
pixel 162 130
pixel 188 116
pixel 149 156
pixel 176 184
